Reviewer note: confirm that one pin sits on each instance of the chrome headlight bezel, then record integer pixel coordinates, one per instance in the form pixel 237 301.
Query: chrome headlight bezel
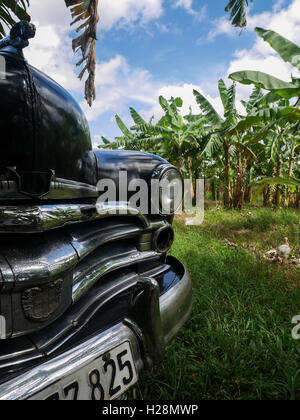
pixel 161 172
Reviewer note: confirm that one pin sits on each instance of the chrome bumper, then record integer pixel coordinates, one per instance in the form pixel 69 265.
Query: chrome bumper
pixel 175 306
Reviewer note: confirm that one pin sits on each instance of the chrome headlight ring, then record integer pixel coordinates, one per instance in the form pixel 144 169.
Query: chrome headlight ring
pixel 170 189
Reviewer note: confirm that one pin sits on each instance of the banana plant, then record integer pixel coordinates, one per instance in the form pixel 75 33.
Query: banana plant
pixel 271 126
pixel 132 138
pixel 279 142
pixel 290 53
pixel 220 127
pixel 179 137
pixel 286 181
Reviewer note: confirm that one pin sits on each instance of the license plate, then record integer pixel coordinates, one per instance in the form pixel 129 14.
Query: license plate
pixel 106 378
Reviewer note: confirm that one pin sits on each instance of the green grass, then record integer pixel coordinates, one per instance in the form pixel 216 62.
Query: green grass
pixel 237 343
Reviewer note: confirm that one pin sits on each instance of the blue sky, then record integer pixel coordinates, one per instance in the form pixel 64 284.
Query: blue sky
pixel 152 47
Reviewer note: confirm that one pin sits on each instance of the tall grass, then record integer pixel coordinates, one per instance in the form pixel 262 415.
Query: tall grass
pixel 238 342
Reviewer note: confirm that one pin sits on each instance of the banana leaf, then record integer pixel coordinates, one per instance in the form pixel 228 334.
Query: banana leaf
pixel 290 181
pixel 287 50
pixel 209 111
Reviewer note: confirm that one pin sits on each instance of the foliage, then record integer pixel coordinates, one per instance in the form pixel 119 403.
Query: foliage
pixel 177 138
pixel 237 9
pixel 290 53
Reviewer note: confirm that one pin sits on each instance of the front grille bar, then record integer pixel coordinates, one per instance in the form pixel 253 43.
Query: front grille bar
pixel 41 218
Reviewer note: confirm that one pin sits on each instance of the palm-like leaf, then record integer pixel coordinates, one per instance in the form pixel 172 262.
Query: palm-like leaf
pixel 265 81
pixel 291 181
pixel 209 111
pixel 269 116
pixel 282 181
pixel 172 114
pixel 9 7
pixel 123 127
pixel 287 50
pixel 238 12
pixel 261 80
pixel 213 144
pixel 256 96
pixel 223 93
pixel 136 117
pixel 230 108
pixel 86 13
pixel 272 147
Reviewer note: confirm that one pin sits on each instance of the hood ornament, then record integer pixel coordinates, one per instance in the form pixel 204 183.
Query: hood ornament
pixel 18 38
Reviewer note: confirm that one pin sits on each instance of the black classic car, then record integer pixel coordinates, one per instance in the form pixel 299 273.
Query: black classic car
pixel 88 295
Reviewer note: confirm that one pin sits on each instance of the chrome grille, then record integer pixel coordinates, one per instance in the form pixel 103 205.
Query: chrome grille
pixel 80 253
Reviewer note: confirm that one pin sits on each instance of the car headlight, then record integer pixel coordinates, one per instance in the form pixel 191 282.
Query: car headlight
pixel 170 189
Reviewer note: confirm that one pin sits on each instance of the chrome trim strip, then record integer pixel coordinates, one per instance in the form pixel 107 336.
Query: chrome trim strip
pixel 176 306
pixel 120 208
pixel 86 275
pixel 39 378
pixel 31 219
pixel 88 238
pixel 65 188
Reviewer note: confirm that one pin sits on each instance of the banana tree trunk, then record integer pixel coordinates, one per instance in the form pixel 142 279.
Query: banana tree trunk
pixel 219 191
pixel 248 181
pixel 248 194
pixel 227 192
pixel 266 194
pixel 278 191
pixel 213 189
pixel 291 166
pixel 239 184
pixel 297 204
pixel 180 159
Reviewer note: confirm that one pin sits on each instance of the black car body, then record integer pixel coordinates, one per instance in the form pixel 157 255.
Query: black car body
pixel 76 280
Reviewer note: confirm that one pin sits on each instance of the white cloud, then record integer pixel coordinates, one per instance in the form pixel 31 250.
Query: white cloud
pixel 118 86
pixel 128 12
pixel 52 12
pixel 278 5
pixel 50 50
pixel 186 4
pixel 184 91
pixel 282 20
pixel 220 26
